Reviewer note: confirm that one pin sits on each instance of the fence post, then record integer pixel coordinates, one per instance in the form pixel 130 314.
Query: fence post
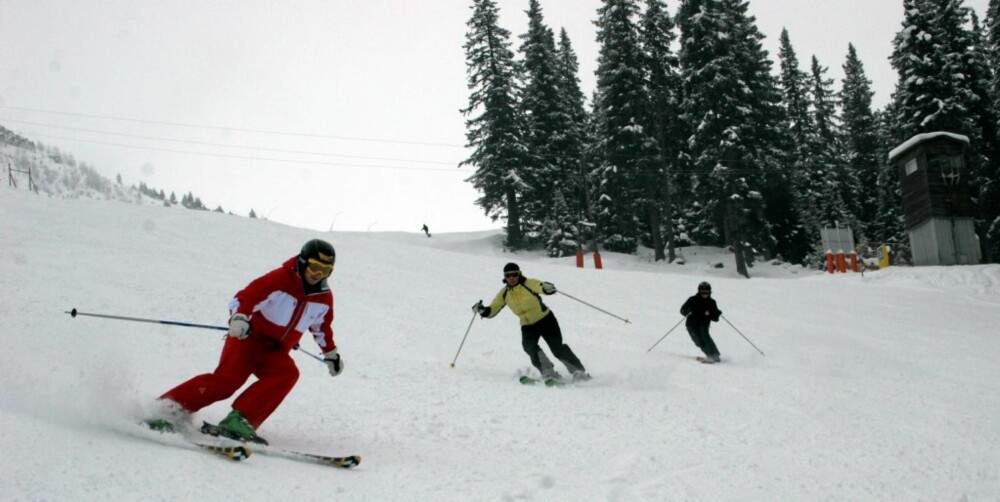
pixel 31 183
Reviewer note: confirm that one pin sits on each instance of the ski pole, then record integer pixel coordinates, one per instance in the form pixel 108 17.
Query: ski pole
pixel 668 332
pixel 463 339
pixel 310 354
pixel 741 334
pixel 594 307
pixel 73 313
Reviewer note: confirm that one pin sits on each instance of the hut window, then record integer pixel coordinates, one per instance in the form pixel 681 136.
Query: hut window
pixel 911 166
pixel 949 166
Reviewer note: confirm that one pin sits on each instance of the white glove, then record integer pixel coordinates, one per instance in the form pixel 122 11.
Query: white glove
pixel 333 362
pixel 239 327
pixel 478 308
pixel 548 288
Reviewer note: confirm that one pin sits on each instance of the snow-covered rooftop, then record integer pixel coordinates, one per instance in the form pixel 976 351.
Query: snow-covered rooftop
pixel 920 138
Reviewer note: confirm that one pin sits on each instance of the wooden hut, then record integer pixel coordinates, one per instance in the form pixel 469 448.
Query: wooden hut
pixel 937 202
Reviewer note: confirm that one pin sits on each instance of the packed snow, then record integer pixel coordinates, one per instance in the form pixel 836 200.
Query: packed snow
pixel 874 387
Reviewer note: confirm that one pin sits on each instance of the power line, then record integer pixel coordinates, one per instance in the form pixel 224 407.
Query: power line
pixel 246 157
pixel 242 147
pixel 238 129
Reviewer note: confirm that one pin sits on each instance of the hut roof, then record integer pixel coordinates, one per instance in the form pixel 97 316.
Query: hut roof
pixel 920 138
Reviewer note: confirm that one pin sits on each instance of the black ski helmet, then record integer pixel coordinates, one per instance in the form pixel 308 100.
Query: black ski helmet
pixel 705 286
pixel 319 250
pixel 511 267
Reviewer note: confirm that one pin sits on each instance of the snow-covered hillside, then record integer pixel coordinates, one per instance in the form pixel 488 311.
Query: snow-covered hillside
pixel 49 171
pixel 882 387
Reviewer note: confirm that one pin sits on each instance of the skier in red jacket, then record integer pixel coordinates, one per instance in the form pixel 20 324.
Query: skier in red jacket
pixel 267 320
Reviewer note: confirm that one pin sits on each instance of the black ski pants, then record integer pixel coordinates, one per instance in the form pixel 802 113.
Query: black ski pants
pixel 548 328
pixel 701 338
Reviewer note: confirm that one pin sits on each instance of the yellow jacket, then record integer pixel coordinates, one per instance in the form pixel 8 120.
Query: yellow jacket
pixel 524 300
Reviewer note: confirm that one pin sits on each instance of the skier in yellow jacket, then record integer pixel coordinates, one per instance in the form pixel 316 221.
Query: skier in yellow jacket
pixel 523 296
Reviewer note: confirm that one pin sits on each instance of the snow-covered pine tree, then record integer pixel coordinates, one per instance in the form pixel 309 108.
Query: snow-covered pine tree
pixel 560 229
pixel 860 136
pixel 495 131
pixel 548 121
pixel 786 203
pixel 990 199
pixel 889 224
pixel 826 168
pixel 986 179
pixel 732 105
pixel 575 140
pixel 658 33
pixel 621 115
pixel 928 53
pixel 795 92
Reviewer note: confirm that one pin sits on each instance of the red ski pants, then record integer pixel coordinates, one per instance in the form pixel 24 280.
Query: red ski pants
pixel 273 366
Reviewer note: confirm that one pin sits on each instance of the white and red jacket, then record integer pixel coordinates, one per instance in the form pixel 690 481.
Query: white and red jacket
pixel 280 309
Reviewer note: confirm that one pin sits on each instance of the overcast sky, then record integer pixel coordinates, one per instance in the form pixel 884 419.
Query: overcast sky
pixel 322 114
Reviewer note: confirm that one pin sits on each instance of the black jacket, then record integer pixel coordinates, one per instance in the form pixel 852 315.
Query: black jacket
pixel 702 311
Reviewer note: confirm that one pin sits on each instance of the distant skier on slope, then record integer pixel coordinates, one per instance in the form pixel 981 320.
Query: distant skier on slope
pixel 426 230
pixel 522 295
pixel 268 318
pixel 701 311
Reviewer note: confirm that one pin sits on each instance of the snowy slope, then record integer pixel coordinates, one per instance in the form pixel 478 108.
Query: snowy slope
pixel 882 387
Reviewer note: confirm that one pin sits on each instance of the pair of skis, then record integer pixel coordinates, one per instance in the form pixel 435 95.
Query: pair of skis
pixel 549 382
pixel 242 452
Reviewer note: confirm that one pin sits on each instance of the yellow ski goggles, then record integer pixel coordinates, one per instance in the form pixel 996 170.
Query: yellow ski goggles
pixel 317 267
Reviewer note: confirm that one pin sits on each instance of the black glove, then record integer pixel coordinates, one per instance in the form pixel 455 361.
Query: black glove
pixel 478 308
pixel 333 362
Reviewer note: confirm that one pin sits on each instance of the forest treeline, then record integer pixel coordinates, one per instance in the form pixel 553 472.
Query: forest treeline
pixel 693 135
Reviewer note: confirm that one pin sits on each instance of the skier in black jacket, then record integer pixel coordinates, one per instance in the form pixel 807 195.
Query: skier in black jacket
pixel 700 311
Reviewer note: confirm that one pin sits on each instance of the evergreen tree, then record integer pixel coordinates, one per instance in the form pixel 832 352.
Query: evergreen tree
pixel 572 144
pixel 795 90
pixel 990 198
pixel 788 199
pixel 986 177
pixel 928 52
pixel 830 183
pixel 621 109
pixel 889 223
pixel 547 122
pixel 732 105
pixel 495 131
pixel 253 214
pixel 561 231
pixel 661 66
pixel 860 134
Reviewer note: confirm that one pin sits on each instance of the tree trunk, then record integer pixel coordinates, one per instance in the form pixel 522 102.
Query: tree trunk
pixel 587 207
pixel 653 214
pixel 668 215
pixel 733 236
pixel 514 239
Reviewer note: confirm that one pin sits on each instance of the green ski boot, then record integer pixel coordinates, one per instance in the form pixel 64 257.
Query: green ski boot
pixel 160 425
pixel 235 426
